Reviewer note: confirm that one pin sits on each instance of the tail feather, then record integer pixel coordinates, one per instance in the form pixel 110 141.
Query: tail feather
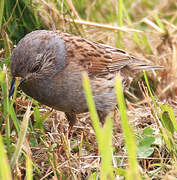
pixel 138 65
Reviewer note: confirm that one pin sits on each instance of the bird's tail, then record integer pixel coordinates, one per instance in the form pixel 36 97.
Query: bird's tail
pixel 139 65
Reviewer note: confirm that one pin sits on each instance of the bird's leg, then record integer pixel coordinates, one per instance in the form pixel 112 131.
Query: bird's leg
pixel 71 117
pixel 102 116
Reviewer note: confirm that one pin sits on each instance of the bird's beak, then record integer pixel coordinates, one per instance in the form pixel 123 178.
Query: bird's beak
pixel 15 81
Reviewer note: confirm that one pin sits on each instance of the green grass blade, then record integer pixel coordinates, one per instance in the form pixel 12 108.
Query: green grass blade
pixel 11 108
pixel 21 137
pixel 128 133
pixel 91 107
pixel 169 109
pixel 37 117
pixel 120 15
pixel 7 46
pixel 1 11
pixel 14 117
pixel 149 89
pixel 29 168
pixel 5 172
pixel 4 87
pixel 103 135
pixel 107 150
pixel 93 176
pixel 120 172
pixel 159 22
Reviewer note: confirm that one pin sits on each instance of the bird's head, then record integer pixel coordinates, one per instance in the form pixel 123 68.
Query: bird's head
pixel 39 55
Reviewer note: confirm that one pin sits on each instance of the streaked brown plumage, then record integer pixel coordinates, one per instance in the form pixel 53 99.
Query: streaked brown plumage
pixel 51 63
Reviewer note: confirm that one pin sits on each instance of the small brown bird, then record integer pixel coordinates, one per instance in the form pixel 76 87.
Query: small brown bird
pixel 51 63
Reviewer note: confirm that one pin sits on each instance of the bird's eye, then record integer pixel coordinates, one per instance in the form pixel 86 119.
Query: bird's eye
pixel 35 68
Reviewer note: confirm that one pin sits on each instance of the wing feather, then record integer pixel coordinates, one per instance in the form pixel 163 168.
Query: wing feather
pixel 100 59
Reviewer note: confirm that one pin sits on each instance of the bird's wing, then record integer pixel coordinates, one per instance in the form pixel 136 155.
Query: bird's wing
pixel 100 59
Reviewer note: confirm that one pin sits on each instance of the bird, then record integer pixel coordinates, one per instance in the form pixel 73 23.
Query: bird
pixel 50 65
